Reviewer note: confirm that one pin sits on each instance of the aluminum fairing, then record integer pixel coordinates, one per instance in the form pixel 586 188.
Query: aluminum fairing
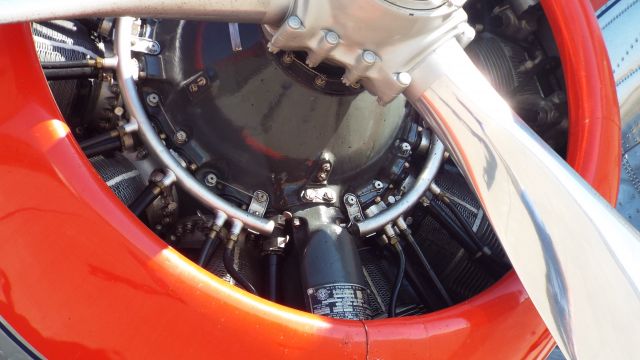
pixel 80 276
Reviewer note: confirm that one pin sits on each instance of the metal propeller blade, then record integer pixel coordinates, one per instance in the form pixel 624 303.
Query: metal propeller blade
pixel 575 255
pixel 248 11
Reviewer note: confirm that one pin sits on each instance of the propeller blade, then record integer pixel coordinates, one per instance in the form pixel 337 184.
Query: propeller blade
pixel 575 255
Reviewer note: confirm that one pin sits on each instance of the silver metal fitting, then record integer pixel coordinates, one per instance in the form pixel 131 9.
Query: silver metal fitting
pixel 235 230
pixel 180 137
pixel 153 99
pixel 168 179
pixel 219 221
pixel 210 179
pixel 294 22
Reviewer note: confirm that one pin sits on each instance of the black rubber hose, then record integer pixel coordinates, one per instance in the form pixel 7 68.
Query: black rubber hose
pixel 210 246
pixel 465 225
pixel 98 139
pixel 68 64
pixel 146 197
pixel 231 270
pixel 468 239
pixel 70 73
pixel 451 225
pixel 416 249
pixel 103 147
pixel 272 263
pixel 398 282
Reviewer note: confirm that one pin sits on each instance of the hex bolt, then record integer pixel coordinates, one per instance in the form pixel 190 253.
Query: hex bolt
pixel 405 149
pixel 180 137
pixel 210 180
pixel 320 81
pixel 331 38
pixel 369 57
pixel 403 78
pixel 153 47
pixel 261 196
pixel 153 99
pixel 294 22
pixel 350 200
pixel 378 185
pixel 287 58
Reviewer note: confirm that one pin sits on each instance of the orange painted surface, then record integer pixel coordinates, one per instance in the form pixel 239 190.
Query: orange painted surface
pixel 81 277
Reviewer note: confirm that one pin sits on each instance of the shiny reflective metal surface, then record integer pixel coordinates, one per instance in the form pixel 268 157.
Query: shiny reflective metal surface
pixel 125 71
pixel 424 179
pixel 251 11
pixel 576 256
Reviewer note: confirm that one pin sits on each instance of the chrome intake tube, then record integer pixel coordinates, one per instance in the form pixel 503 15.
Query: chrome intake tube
pixel 245 11
pixel 576 256
pixel 126 71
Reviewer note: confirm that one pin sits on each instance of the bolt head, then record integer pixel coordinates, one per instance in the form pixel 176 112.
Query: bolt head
pixel 153 99
pixel 260 196
pixel 320 81
pixel 369 57
pixel 350 200
pixel 294 22
pixel 287 58
pixel 180 137
pixel 332 38
pixel 378 184
pixel 210 180
pixel 403 78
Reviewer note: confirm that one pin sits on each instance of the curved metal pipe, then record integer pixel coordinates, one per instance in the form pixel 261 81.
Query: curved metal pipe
pixel 575 255
pixel 424 179
pixel 247 11
pixel 125 71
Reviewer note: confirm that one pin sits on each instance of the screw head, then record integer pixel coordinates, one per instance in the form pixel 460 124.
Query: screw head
pixel 332 38
pixel 320 81
pixel 260 196
pixel 287 58
pixel 153 47
pixel 210 180
pixel 153 99
pixel 294 22
pixel 378 185
pixel 350 200
pixel 369 57
pixel 180 137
